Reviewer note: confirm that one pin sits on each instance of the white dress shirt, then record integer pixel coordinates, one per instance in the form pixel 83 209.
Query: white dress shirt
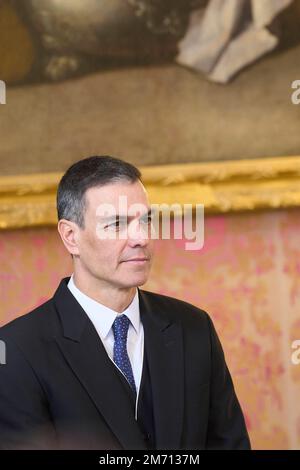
pixel 103 318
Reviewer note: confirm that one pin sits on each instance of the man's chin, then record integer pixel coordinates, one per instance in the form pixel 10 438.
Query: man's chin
pixel 135 281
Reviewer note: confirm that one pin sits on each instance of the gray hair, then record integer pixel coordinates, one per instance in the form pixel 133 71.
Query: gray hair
pixel 89 173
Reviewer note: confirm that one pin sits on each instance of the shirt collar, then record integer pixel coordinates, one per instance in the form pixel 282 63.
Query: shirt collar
pixel 101 316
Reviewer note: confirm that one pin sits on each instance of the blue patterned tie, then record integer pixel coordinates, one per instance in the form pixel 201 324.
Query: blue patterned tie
pixel 121 359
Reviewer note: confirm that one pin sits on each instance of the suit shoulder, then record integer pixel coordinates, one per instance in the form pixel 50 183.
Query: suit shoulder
pixel 29 325
pixel 177 308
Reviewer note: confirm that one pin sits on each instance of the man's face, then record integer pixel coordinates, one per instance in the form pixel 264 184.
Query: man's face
pixel 108 246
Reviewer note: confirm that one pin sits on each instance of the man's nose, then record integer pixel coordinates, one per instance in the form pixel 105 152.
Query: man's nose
pixel 138 234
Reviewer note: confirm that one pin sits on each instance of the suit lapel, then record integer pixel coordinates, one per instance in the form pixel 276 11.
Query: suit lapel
pixel 86 355
pixel 163 342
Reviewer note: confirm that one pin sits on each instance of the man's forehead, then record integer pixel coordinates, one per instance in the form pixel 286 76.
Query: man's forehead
pixel 110 200
pixel 113 191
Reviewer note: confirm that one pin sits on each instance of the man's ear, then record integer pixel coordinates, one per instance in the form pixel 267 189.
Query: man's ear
pixel 69 232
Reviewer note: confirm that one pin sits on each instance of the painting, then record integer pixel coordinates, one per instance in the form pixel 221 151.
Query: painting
pixel 179 83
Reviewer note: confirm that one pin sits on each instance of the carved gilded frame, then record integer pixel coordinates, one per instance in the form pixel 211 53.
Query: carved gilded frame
pixel 231 186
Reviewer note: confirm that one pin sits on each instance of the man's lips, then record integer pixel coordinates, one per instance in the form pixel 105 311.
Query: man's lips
pixel 138 260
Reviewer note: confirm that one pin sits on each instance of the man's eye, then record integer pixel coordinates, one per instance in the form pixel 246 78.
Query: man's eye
pixel 115 225
pixel 146 220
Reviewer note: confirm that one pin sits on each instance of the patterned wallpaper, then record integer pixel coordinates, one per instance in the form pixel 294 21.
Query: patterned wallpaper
pixel 246 277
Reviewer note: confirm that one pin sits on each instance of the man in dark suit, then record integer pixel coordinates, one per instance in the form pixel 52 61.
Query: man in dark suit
pixel 104 364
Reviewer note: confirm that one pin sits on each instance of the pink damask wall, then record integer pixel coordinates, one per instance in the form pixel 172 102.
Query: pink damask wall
pixel 247 278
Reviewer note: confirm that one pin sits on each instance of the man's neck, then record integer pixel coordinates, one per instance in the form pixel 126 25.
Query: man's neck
pixel 117 299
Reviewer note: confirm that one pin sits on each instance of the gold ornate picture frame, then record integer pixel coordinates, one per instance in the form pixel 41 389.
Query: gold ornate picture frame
pixel 63 104
pixel 223 187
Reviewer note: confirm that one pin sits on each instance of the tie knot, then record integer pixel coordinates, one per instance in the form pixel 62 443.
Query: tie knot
pixel 120 326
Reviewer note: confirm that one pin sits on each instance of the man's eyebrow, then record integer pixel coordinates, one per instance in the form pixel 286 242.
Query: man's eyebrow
pixel 150 212
pixel 123 218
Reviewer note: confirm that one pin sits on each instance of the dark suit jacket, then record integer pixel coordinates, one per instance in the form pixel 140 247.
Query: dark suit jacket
pixel 59 389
